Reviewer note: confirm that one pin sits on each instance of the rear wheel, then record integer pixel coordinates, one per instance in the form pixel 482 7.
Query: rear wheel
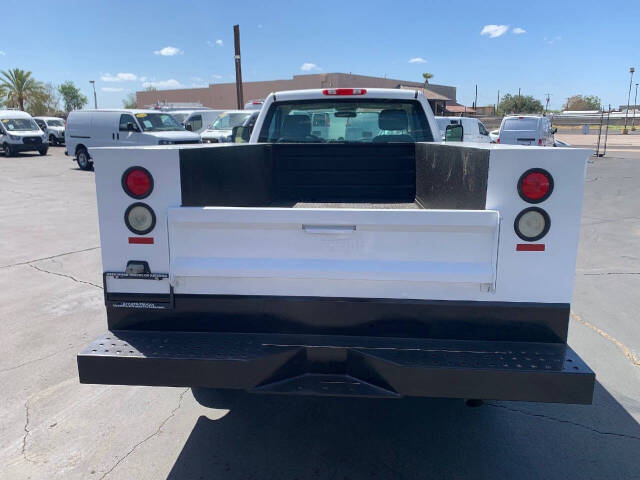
pixel 8 151
pixel 43 150
pixel 82 156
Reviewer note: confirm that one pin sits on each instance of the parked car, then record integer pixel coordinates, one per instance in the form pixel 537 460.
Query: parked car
pixel 53 127
pixel 254 104
pixel 20 133
pixel 473 129
pixel 221 130
pixel 527 130
pixel 494 135
pixel 196 121
pixel 111 128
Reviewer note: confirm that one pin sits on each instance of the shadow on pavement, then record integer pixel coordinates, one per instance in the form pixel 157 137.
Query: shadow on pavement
pixel 266 437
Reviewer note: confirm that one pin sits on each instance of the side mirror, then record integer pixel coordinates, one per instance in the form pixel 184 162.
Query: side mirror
pixel 189 127
pixel 554 131
pixel 240 134
pixel 454 133
pixel 131 127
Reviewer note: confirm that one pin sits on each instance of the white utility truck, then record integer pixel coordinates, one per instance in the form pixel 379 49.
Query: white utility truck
pixel 388 265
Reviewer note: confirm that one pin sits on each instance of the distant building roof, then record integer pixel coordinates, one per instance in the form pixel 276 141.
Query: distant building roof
pixel 430 94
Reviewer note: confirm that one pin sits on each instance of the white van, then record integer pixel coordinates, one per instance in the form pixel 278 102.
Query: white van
pixel 53 127
pixel 113 128
pixel 196 121
pixel 527 130
pixel 20 133
pixel 472 128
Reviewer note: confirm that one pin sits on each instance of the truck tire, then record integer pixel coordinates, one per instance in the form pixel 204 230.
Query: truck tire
pixel 6 148
pixel 83 159
pixel 43 150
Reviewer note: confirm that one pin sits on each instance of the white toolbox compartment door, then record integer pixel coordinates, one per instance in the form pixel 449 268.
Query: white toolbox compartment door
pixel 329 252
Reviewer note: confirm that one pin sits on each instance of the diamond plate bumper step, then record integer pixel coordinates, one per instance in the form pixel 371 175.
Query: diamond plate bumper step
pixel 340 365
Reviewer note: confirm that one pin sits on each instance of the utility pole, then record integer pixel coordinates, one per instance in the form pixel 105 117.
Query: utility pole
pixel 475 102
pixel 95 97
pixel 236 44
pixel 624 130
pixel 546 107
pixel 497 103
pixel 518 101
pixel 635 107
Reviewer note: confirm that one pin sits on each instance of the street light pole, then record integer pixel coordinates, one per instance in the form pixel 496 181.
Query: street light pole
pixel 624 130
pixel 95 97
pixel 635 107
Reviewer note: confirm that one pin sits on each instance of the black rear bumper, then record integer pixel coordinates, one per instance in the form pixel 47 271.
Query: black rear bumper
pixel 340 365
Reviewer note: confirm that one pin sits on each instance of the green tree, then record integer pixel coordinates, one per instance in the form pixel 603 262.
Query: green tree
pixel 427 76
pixel 519 104
pixel 580 102
pixel 130 101
pixel 18 86
pixel 46 102
pixel 72 98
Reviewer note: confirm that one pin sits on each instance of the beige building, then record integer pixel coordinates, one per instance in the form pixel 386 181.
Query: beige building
pixel 223 95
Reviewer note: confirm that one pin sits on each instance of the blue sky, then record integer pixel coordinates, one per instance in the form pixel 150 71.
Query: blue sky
pixel 564 48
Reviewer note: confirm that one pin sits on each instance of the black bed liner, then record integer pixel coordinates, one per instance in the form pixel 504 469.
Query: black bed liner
pixel 317 175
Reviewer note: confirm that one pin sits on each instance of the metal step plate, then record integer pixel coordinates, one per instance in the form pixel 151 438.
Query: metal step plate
pixel 357 366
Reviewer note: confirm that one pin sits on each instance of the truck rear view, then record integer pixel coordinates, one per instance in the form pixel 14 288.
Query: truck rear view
pixel 316 264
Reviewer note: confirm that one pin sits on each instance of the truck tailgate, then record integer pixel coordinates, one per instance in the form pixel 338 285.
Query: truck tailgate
pixel 210 247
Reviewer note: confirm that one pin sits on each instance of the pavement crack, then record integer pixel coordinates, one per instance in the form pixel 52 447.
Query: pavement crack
pixel 626 350
pixel 23 450
pixel 64 275
pixel 148 437
pixel 28 262
pixel 8 369
pixel 560 420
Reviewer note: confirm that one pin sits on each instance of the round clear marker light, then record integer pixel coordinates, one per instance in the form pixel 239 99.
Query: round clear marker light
pixel 139 218
pixel 532 224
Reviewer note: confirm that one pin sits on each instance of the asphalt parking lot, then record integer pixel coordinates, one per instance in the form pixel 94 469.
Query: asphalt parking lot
pixel 52 427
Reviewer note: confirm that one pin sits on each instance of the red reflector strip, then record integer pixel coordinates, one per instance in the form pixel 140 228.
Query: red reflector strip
pixel 530 247
pixel 142 240
pixel 344 91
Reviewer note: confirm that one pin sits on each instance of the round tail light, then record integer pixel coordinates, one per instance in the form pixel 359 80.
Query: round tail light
pixel 532 224
pixel 139 218
pixel 535 185
pixel 137 182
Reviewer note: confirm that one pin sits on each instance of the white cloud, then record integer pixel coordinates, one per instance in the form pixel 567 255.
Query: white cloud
pixel 168 52
pixel 217 77
pixel 518 30
pixel 552 40
pixel 171 83
pixel 143 79
pixel 417 60
pixel 112 89
pixel 119 77
pixel 259 25
pixel 2 53
pixel 219 42
pixel 307 67
pixel 494 31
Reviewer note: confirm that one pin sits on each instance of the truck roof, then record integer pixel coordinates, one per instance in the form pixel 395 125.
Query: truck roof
pixel 119 110
pixel 318 93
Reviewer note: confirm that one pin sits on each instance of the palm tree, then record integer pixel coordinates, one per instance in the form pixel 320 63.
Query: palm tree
pixel 19 86
pixel 427 76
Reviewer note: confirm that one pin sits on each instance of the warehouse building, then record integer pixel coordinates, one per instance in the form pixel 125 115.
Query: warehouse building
pixel 223 95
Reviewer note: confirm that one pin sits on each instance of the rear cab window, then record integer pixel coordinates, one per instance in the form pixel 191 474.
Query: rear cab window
pixel 526 123
pixel 345 120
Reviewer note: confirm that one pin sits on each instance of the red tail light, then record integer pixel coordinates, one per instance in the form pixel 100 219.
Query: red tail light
pixel 344 91
pixel 535 185
pixel 498 140
pixel 137 182
pixel 540 142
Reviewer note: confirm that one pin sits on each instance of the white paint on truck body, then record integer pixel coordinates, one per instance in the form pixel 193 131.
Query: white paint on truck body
pixel 409 254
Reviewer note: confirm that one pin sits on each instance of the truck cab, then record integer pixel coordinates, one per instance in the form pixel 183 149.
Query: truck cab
pixel 370 260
